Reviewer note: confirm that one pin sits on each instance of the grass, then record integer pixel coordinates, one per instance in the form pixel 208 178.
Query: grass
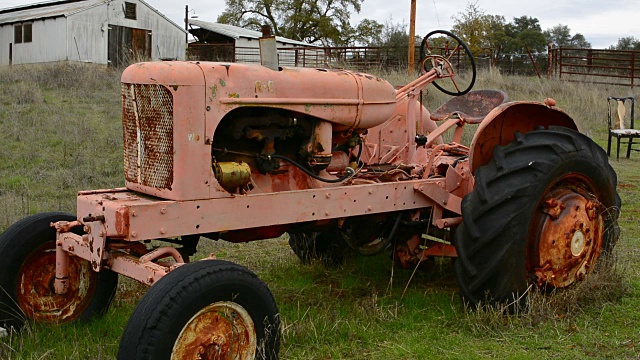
pixel 61 132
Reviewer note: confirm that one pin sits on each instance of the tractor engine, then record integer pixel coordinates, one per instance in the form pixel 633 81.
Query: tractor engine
pixel 202 130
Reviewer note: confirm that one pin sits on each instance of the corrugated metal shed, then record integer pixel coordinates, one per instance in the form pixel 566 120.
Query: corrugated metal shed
pixel 236 32
pixel 113 32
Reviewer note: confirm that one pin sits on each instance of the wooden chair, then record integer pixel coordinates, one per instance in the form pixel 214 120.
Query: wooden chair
pixel 620 125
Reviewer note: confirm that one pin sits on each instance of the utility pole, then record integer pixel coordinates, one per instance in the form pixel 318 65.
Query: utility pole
pixel 412 39
pixel 186 24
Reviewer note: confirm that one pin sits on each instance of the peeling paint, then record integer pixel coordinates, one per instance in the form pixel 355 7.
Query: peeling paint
pixel 234 95
pixel 223 83
pixel 214 92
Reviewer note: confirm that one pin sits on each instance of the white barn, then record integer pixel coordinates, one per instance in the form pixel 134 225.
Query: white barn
pixel 99 31
pixel 223 42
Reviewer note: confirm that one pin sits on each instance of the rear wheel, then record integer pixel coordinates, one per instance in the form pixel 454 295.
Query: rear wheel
pixel 542 213
pixel 326 246
pixel 26 283
pixel 210 309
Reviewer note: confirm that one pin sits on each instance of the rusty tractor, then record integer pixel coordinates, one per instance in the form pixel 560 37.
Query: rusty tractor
pixel 332 157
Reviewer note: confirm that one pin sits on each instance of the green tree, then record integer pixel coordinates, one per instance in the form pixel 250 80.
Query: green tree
pixel 524 32
pixel 480 31
pixel 626 43
pixel 324 21
pixel 560 36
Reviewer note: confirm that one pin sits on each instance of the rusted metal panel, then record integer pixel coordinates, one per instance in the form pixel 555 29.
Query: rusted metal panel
pixel 345 98
pixel 36 296
pixel 501 124
pixel 151 218
pixel 223 331
pixel 147 122
pixel 170 119
pixel 569 233
pixel 471 107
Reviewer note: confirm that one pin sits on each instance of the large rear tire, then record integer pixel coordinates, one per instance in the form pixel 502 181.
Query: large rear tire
pixel 28 253
pixel 542 212
pixel 210 309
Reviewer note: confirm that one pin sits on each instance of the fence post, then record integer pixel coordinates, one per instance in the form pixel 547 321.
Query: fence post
pixel 633 68
pixel 559 64
pixel 535 66
pixel 549 60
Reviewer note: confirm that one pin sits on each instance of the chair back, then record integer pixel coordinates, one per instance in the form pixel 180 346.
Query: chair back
pixel 617 108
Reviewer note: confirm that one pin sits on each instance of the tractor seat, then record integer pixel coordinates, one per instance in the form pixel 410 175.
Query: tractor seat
pixel 471 107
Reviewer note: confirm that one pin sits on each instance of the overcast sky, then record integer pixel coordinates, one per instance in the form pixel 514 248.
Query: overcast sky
pixel 602 23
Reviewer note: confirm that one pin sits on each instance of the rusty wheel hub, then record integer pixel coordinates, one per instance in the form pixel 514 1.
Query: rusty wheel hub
pixel 35 294
pixel 221 331
pixel 568 239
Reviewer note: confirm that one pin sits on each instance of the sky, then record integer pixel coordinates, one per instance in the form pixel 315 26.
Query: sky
pixel 602 24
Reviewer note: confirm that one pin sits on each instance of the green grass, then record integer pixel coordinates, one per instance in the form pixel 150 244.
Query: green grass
pixel 61 132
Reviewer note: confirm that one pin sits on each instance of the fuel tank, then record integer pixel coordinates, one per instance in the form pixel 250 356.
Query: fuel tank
pixel 345 98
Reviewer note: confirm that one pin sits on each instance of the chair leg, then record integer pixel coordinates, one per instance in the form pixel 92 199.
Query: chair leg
pixel 629 147
pixel 618 153
pixel 609 146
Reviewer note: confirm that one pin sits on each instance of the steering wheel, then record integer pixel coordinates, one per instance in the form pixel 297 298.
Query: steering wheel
pixel 442 62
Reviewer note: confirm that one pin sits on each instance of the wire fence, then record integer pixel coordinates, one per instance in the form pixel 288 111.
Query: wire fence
pixel 616 67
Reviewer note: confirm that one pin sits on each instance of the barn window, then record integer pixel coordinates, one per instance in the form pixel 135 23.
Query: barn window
pixel 26 37
pixel 130 10
pixel 22 33
pixel 17 34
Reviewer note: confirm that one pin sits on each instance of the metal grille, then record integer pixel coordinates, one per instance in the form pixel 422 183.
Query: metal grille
pixel 147 122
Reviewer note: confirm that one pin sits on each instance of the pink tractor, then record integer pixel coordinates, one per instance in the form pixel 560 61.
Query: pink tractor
pixel 332 157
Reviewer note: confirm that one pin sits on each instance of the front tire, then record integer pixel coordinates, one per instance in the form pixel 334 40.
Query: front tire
pixel 210 309
pixel 28 253
pixel 541 213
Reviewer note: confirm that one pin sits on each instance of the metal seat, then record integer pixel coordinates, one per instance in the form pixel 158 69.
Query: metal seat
pixel 620 125
pixel 471 107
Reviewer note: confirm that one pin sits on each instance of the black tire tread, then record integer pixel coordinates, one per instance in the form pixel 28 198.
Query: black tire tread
pixel 170 297
pixel 491 240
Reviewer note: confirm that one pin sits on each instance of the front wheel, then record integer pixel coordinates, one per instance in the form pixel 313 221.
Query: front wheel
pixel 28 253
pixel 210 309
pixel 543 211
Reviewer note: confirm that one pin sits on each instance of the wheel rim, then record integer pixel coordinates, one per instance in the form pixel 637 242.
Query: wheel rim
pixel 35 294
pixel 568 233
pixel 223 330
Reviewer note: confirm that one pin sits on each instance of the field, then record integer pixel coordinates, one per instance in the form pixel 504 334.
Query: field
pixel 61 132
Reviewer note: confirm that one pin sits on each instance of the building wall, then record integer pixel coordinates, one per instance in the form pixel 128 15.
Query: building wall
pixel 48 42
pixel 84 36
pixel 167 40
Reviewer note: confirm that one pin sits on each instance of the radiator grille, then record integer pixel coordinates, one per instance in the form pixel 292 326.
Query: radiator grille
pixel 147 123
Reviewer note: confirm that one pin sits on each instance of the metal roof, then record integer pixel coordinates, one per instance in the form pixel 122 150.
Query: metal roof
pixel 58 8
pixel 236 32
pixel 48 9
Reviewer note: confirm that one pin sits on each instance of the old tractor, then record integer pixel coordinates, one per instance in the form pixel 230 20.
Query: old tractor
pixel 332 157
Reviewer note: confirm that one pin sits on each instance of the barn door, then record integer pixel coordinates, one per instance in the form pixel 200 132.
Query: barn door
pixel 128 45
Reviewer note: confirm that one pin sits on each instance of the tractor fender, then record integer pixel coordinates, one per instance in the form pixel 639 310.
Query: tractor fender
pixel 501 124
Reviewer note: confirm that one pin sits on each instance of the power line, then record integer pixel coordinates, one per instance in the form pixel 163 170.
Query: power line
pixel 437 17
